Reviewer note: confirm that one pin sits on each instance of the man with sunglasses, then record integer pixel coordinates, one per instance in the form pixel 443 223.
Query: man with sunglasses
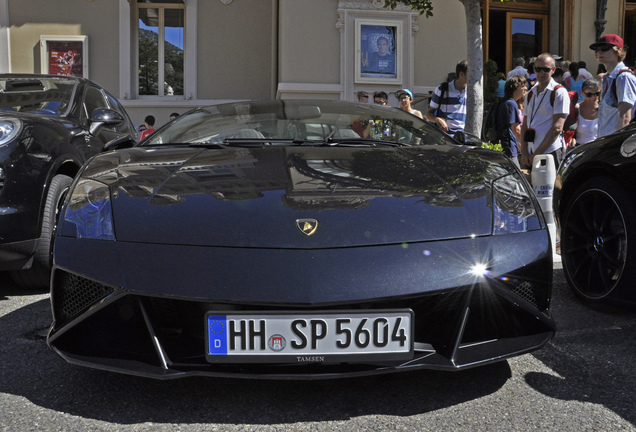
pixel 544 116
pixel 615 110
pixel 380 98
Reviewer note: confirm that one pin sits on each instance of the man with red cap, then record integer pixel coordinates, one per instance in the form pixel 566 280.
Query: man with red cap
pixel 618 96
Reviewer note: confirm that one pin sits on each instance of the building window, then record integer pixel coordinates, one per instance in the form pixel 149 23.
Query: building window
pixel 160 47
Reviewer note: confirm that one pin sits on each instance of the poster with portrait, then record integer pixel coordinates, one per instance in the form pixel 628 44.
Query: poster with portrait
pixel 64 55
pixel 378 51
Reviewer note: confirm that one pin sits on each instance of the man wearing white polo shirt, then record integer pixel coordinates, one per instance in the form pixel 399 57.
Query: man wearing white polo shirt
pixel 544 115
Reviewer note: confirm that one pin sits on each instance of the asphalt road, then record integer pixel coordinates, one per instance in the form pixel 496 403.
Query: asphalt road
pixel 583 380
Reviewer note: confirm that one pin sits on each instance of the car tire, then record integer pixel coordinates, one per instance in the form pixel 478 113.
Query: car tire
pixel 40 272
pixel 598 241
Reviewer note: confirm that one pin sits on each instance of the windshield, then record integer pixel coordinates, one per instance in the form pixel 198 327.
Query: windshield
pixel 47 96
pixel 296 122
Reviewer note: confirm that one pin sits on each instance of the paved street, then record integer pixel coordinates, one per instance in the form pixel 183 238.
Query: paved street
pixel 583 380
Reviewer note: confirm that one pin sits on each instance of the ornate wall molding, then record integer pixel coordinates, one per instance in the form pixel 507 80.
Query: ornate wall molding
pixel 340 24
pixel 347 6
pixel 414 26
pixel 370 5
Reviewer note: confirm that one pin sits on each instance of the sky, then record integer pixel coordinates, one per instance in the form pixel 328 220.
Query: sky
pixel 525 26
pixel 174 35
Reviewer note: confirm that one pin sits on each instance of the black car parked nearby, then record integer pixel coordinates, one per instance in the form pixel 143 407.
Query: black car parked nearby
pixel 595 207
pixel 49 126
pixel 299 239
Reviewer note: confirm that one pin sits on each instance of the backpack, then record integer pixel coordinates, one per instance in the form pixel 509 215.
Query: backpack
pixel 631 70
pixel 489 129
pixel 444 90
pixel 572 120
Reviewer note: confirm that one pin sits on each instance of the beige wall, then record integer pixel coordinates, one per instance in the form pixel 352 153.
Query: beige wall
pixel 309 42
pixel 585 31
pixel 235 46
pixel 310 48
pixel 440 43
pixel 99 20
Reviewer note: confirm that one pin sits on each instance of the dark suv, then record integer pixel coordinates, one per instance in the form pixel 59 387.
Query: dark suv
pixel 49 126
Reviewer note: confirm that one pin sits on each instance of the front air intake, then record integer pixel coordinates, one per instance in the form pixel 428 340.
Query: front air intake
pixel 75 294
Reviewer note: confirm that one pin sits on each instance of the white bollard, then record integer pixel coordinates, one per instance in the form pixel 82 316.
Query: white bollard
pixel 542 178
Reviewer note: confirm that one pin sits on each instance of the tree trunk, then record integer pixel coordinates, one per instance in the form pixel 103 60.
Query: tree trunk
pixel 475 89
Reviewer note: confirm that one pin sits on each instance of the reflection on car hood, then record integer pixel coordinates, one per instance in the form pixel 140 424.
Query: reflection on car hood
pixel 256 197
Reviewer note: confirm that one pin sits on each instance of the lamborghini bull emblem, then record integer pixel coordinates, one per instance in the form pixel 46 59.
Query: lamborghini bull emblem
pixel 307 226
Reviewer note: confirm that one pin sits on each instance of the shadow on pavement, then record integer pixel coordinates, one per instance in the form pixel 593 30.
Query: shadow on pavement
pixel 9 288
pixel 593 352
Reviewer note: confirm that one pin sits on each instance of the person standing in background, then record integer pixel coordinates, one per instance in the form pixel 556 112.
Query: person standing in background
pixel 405 97
pixel 447 108
pixel 587 130
pixel 507 121
pixel 501 85
pixel 149 122
pixel 542 130
pixel 583 71
pixel 520 69
pixel 575 81
pixel 618 95
pixel 362 96
pixel 380 98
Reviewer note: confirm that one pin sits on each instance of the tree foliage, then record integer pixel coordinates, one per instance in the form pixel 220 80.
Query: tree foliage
pixel 423 6
pixel 148 64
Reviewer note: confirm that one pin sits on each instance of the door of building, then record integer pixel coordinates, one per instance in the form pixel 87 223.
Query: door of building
pixel 516 29
pixel 630 31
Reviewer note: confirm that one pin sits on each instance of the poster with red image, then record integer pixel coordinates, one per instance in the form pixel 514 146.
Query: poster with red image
pixel 65 58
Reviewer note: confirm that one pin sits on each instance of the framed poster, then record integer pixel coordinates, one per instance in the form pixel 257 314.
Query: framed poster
pixel 378 51
pixel 64 55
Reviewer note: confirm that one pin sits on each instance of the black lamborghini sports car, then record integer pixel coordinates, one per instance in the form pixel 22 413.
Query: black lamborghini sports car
pixel 298 239
pixel 595 207
pixel 49 126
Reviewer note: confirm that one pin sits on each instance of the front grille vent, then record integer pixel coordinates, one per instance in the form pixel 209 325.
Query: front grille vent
pixel 74 294
pixel 526 291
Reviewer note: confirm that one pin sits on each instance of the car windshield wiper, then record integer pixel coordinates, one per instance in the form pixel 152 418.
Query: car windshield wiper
pixel 236 142
pixel 258 142
pixel 362 142
pixel 261 142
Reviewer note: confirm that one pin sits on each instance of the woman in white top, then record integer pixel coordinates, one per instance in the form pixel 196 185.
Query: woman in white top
pixel 587 130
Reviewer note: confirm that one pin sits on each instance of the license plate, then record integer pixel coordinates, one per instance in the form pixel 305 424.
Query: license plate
pixel 319 337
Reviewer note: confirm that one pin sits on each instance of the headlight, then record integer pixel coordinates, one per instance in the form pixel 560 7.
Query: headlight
pixel 89 213
pixel 513 208
pixel 8 130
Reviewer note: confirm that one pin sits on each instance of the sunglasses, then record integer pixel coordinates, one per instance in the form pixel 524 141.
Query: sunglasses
pixel 604 48
pixel 597 94
pixel 542 69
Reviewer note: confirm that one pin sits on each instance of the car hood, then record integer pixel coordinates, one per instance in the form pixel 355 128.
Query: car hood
pixel 30 118
pixel 274 197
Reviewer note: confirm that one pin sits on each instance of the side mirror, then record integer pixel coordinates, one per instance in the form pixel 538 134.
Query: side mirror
pixel 119 143
pixel 104 117
pixel 467 139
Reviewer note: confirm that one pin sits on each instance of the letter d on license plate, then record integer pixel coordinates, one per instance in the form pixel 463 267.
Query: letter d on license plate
pixel 317 337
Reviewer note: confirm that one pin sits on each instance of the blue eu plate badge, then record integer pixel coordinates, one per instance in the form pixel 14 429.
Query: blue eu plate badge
pixel 217 329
